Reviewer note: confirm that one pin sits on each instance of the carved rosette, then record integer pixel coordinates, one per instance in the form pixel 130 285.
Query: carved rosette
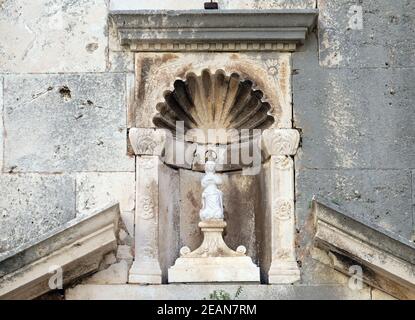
pixel 283 209
pixel 280 141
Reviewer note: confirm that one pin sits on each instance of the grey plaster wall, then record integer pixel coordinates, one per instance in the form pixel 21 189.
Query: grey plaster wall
pixel 353 97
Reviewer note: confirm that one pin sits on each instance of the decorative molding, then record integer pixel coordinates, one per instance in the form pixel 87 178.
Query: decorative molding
pixel 280 141
pixel 216 106
pixel 147 141
pixel 213 30
pixel 284 162
pixel 283 208
pixel 147 208
pixel 213 46
pixel 387 260
pixel 77 247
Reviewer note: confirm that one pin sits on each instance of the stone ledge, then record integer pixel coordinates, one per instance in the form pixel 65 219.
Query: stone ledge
pixel 77 247
pixel 216 30
pixel 387 260
pixel 201 291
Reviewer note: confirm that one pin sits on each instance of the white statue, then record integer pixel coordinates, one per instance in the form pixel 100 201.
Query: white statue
pixel 211 196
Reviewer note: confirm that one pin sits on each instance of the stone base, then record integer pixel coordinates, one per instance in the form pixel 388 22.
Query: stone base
pixel 204 291
pixel 213 261
pixel 214 269
pixel 284 272
pixel 145 272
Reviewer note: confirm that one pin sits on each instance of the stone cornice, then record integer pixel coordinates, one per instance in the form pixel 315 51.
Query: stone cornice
pixel 387 260
pixel 213 30
pixel 77 247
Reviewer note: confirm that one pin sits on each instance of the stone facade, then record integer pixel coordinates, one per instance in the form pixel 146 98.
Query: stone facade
pixel 68 95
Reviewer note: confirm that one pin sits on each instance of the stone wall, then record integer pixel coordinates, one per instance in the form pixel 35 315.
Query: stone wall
pixel 353 95
pixel 64 89
pixel 63 137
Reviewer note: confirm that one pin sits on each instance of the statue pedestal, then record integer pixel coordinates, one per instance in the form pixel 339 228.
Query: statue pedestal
pixel 213 261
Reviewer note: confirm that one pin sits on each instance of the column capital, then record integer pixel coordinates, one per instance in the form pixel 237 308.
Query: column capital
pixel 280 141
pixel 147 141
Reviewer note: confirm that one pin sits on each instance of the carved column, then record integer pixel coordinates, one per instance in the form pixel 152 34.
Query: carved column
pixel 280 145
pixel 147 145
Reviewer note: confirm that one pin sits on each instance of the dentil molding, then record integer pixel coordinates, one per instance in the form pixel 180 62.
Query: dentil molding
pixel 213 30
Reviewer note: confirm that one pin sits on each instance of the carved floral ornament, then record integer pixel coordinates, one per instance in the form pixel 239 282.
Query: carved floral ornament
pixel 147 141
pixel 283 208
pixel 280 141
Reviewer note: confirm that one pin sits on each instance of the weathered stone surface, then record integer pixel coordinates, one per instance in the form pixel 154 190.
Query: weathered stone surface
pixel 367 33
pixel 109 259
pixel 353 118
pixel 413 206
pixel 60 123
pixel 53 36
pixel 199 292
pixel 169 218
pixel 240 207
pixel 382 197
pixel 223 4
pixel 386 260
pixel 216 30
pixel 116 273
pixel 93 189
pixel 124 252
pixel 59 256
pixel 213 260
pixel 380 295
pixel 1 124
pixel 33 204
pixel 270 72
pixel 120 61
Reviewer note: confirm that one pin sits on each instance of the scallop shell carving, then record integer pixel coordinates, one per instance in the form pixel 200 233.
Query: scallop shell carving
pixel 213 101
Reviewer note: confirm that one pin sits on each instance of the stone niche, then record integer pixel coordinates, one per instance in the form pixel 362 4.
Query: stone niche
pixel 224 76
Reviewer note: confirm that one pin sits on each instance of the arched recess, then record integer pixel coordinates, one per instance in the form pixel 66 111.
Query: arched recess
pixel 213 102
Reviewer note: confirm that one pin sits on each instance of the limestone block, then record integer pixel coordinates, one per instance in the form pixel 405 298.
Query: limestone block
pixel 169 215
pixel 116 273
pixel 1 124
pixel 124 252
pixel 125 238
pixel 382 197
pixel 110 259
pixel 72 250
pixel 366 34
pixel 380 295
pixel 95 188
pixel 353 118
pixel 386 260
pixel 120 61
pixel 270 73
pixel 53 36
pixel 223 4
pixel 33 204
pixel 213 260
pixel 146 267
pixel 60 123
pixel 203 291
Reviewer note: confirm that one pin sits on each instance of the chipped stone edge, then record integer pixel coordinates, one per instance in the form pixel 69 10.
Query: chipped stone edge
pixel 77 247
pixel 387 260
